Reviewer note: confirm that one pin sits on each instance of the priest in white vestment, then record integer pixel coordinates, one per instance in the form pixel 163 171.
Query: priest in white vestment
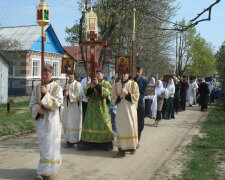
pixel 191 91
pixel 125 96
pixel 72 114
pixel 45 105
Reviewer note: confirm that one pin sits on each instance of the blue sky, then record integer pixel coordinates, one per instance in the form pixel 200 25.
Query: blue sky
pixel 63 13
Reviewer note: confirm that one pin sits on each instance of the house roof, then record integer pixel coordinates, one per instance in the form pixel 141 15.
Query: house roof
pixel 28 38
pixel 25 35
pixel 75 51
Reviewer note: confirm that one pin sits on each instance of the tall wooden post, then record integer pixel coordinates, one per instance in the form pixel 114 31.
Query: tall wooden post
pixel 133 38
pixel 42 54
pixel 176 55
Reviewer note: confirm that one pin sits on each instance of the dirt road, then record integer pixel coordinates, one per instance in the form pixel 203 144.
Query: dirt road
pixel 153 160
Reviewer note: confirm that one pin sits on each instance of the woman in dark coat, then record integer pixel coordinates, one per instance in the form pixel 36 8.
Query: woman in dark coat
pixel 203 90
pixel 176 101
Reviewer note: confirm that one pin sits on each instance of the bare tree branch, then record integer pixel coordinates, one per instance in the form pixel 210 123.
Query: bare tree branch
pixel 193 24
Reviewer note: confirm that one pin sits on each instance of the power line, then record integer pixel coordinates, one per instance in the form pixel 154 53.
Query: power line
pixel 68 5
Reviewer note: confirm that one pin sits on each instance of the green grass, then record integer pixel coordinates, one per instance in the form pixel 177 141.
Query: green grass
pixel 205 154
pixel 14 123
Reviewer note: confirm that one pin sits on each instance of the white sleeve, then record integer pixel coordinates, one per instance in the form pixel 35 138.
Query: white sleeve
pixel 33 105
pixel 76 93
pixel 54 100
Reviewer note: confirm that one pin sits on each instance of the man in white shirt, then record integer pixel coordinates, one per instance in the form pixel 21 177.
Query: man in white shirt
pixel 84 84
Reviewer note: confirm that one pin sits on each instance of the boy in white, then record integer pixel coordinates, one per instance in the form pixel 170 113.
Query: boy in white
pixel 72 114
pixel 45 105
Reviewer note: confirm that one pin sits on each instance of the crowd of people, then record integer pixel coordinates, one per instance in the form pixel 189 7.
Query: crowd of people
pixel 96 112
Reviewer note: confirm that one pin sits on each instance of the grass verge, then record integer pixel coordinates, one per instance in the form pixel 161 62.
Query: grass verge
pixel 207 154
pixel 14 122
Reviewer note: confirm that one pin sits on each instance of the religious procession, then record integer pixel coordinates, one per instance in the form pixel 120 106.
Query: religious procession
pixel 94 113
pixel 100 110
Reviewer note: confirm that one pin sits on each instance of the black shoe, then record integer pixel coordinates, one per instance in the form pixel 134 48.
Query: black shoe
pixel 82 146
pixel 107 147
pixel 120 154
pixel 69 145
pixel 132 151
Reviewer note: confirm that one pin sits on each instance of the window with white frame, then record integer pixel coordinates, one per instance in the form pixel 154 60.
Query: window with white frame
pixel 36 68
pixel 56 68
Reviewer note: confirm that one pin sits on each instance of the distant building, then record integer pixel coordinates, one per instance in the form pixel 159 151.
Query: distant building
pixel 25 60
pixel 75 51
pixel 4 69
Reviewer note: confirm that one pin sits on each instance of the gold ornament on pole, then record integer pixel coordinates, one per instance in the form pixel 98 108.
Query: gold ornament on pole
pixel 91 33
pixel 42 20
pixel 133 38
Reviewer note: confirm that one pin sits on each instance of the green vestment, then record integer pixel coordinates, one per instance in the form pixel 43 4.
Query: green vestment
pixel 97 124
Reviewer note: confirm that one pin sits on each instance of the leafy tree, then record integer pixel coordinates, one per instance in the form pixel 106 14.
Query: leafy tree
pixel 203 60
pixel 220 64
pixel 72 34
pixel 115 20
pixel 195 55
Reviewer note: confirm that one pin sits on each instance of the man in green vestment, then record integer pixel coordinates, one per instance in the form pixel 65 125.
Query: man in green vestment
pixel 97 129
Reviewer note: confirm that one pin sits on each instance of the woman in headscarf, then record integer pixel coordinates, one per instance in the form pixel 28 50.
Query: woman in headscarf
pixel 169 104
pixel 150 100
pixel 152 82
pixel 211 91
pixel 160 93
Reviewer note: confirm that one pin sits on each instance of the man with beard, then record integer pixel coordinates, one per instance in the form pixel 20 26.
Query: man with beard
pixel 125 96
pixel 142 84
pixel 183 93
pixel 97 129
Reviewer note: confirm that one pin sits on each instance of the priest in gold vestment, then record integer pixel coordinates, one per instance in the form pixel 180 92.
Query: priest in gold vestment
pixel 125 95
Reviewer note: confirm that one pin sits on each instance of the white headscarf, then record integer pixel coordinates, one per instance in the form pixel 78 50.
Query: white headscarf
pixel 159 89
pixel 152 84
pixel 171 86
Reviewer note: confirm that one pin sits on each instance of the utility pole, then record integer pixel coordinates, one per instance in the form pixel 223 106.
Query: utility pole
pixel 176 55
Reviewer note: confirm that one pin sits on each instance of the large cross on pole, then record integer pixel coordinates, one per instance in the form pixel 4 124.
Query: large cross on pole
pixel 93 42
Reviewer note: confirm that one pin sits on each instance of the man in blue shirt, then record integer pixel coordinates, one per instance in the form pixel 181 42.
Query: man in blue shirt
pixel 142 84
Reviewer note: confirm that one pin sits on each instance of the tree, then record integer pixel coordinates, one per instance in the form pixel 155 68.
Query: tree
pixel 220 65
pixel 195 55
pixel 203 60
pixel 7 46
pixel 115 20
pixel 72 34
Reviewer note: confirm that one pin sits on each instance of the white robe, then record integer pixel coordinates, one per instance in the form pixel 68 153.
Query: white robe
pixel 191 92
pixel 72 114
pixel 153 105
pixel 195 92
pixel 126 116
pixel 49 128
pixel 84 85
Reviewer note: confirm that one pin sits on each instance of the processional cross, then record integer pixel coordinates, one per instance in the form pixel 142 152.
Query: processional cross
pixel 91 31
